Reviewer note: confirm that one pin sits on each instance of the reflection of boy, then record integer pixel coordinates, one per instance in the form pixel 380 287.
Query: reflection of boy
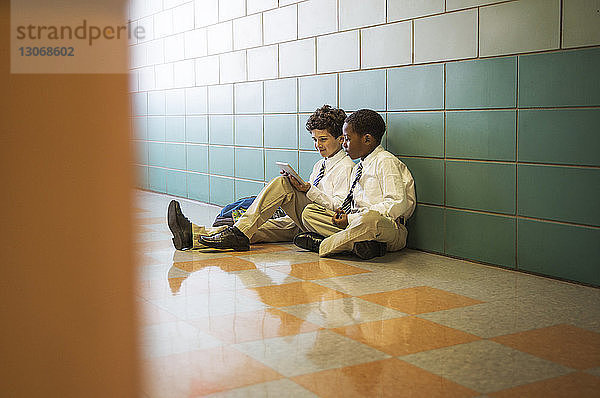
pixel 382 196
pixel 328 185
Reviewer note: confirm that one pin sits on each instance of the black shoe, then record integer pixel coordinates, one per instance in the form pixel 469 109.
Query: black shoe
pixel 309 241
pixel 180 227
pixel 230 238
pixel 368 249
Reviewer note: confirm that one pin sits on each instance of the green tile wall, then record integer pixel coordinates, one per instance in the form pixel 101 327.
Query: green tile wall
pixel 484 135
pixel 488 83
pixel 281 131
pixel 429 179
pixel 481 186
pixel 426 228
pixel 560 250
pixel 565 136
pixel 560 193
pixel 415 88
pixel 196 129
pixel 565 78
pixel 482 237
pixel 316 91
pixel 221 160
pixel 250 163
pixel 249 130
pixel 416 133
pixel 220 130
pixel 365 89
pixel 493 144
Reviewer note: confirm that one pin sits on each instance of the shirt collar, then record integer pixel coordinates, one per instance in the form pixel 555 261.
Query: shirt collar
pixel 370 157
pixel 329 162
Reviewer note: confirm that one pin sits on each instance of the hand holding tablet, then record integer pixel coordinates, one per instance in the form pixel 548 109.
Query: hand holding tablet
pixel 285 167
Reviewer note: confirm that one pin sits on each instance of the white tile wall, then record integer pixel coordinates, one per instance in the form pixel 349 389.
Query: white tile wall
pixel 146 78
pixel 233 67
pixel 358 13
pixel 155 52
pixel 386 45
pixel 297 58
pixel 172 3
pixel 262 63
pixel 183 73
pixel 287 2
pixel 280 24
pixel 164 76
pixel 338 52
pixel 404 9
pixel 196 100
pixel 183 18
pixel 195 43
pixel 520 26
pixel 253 6
pixel 247 32
pixel 220 99
pixel 220 38
pixel 581 23
pixel 137 56
pixel 174 48
pixel 148 25
pixel 446 37
pixel 163 23
pixel 248 93
pixel 207 70
pixel 175 100
pixel 317 17
pixel 230 9
pixel 452 5
pixel 206 12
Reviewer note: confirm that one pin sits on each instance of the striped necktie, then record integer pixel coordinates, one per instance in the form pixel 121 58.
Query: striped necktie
pixel 320 175
pixel 349 199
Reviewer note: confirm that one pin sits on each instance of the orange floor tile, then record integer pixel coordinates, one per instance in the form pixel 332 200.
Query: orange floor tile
pixel 277 321
pixel 421 299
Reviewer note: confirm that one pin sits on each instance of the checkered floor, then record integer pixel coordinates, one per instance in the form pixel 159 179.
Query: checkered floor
pixel 278 321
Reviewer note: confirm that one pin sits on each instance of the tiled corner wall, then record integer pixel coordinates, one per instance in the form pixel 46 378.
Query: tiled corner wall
pixel 493 105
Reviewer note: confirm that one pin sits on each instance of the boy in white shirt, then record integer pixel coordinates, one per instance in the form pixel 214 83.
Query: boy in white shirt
pixel 371 220
pixel 328 185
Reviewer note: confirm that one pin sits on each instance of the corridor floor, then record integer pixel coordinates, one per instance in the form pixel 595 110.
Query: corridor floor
pixel 278 321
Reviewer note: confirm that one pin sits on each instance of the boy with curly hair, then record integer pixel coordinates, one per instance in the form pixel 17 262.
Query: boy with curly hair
pixel 327 187
pixel 372 217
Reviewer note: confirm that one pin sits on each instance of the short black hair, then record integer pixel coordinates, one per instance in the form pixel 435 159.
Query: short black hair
pixel 327 118
pixel 367 121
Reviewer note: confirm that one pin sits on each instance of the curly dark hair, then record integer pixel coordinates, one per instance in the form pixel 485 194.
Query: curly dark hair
pixel 327 118
pixel 367 121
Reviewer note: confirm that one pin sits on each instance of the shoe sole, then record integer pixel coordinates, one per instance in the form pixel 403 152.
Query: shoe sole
pixel 365 251
pixel 174 226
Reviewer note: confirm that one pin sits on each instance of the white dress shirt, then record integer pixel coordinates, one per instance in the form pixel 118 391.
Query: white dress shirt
pixel 335 184
pixel 386 186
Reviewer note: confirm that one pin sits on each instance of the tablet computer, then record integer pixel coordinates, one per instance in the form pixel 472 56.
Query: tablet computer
pixel 290 170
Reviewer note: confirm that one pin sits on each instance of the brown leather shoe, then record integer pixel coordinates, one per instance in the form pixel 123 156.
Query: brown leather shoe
pixel 309 241
pixel 368 249
pixel 180 227
pixel 230 238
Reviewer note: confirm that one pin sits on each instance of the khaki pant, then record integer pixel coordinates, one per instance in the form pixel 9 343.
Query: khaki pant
pixel 256 222
pixel 368 226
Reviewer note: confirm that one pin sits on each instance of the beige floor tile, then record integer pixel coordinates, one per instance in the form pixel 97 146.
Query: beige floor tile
pixel 320 269
pixel 293 294
pixel 373 282
pixel 497 318
pixel 169 338
pixel 486 366
pixel 278 388
pixel 577 384
pixel 280 258
pixel 189 307
pixel 309 352
pixel 342 312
